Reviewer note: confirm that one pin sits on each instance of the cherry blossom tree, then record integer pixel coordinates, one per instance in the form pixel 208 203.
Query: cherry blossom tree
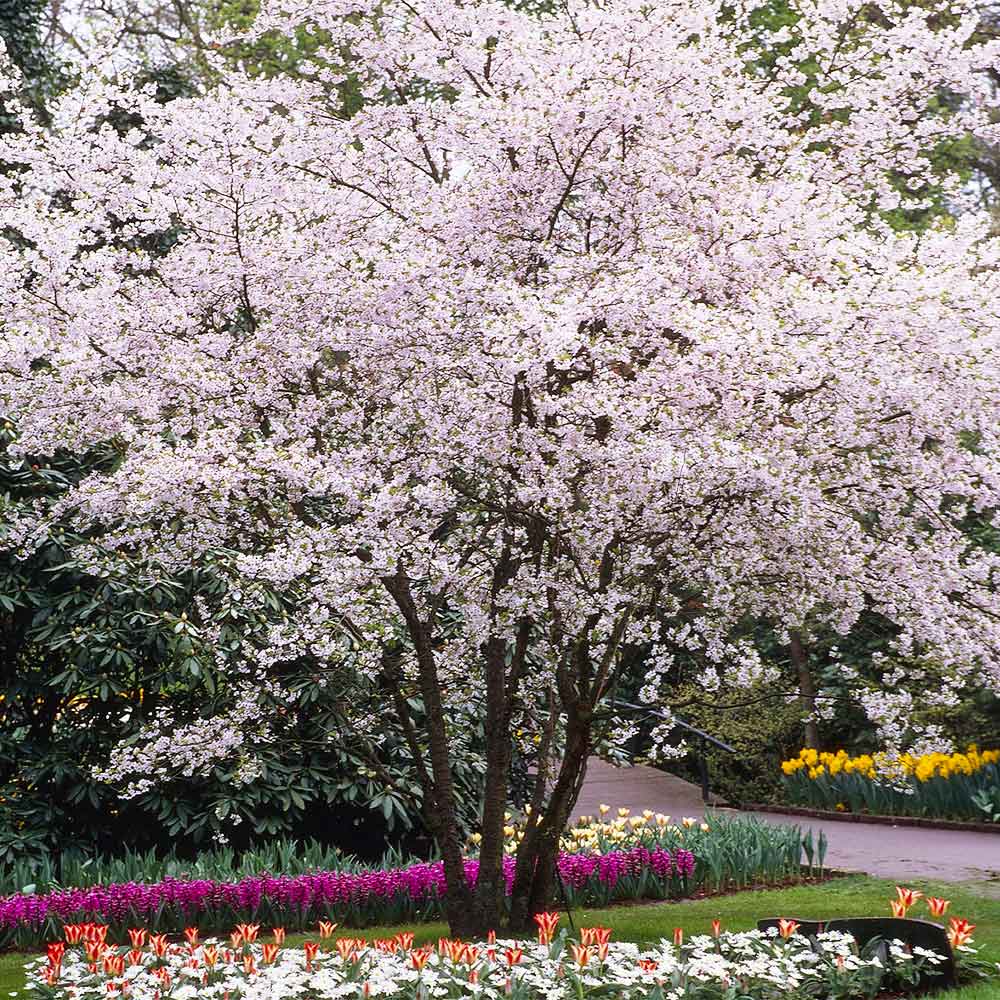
pixel 579 336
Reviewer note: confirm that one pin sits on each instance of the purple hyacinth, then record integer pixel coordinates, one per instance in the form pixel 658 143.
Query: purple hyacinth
pixel 173 901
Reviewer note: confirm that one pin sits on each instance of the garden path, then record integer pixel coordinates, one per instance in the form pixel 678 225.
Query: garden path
pixel 896 852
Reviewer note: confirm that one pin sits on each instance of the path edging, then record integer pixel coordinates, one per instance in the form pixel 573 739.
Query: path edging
pixel 844 817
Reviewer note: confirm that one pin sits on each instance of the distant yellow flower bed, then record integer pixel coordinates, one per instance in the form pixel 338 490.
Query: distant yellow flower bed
pixel 944 785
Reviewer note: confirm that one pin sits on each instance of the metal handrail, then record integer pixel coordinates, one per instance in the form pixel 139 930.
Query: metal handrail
pixel 703 738
pixel 667 717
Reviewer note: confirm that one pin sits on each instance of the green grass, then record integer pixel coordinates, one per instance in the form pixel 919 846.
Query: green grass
pixel 855 896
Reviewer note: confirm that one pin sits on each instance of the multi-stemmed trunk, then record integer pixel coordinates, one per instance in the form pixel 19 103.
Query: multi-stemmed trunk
pixel 473 911
pixel 535 871
pixel 487 899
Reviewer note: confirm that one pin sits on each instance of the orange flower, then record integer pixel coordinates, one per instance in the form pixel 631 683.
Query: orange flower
pixel 236 939
pixel 907 896
pixel 114 965
pixel 74 933
pixel 786 928
pixel 716 928
pixel 94 950
pixel 250 965
pixel 419 957
pixel 602 951
pixel 135 957
pixel 279 934
pixel 270 953
pixel 678 936
pixel 249 931
pixel 581 954
pixel 958 940
pixel 959 932
pixel 311 948
pixel 514 955
pixel 491 938
pixel 191 933
pixel 648 964
pixel 137 935
pixel 938 907
pixel 326 929
pixel 898 908
pixel 547 923
pixel 210 955
pixel 405 939
pixel 595 935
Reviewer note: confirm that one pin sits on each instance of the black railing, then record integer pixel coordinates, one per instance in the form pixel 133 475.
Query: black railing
pixel 703 738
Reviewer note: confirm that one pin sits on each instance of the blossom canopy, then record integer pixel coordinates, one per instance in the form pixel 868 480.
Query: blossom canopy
pixel 580 333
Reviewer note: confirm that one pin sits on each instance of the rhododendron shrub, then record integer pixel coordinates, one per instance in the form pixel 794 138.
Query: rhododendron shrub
pixel 576 337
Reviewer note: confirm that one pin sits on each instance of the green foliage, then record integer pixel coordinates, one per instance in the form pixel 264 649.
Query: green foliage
pixel 987 801
pixel 301 55
pixel 760 723
pixel 732 852
pixel 21 35
pixel 91 648
pixel 222 864
pixel 925 205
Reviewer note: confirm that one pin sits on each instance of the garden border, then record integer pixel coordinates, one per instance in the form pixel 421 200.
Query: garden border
pixel 878 819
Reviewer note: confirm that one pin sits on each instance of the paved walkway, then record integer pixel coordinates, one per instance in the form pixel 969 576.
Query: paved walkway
pixel 896 852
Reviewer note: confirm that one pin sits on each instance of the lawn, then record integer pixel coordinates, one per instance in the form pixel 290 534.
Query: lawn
pixel 854 896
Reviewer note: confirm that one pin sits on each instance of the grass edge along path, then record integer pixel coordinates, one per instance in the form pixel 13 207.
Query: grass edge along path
pixel 853 896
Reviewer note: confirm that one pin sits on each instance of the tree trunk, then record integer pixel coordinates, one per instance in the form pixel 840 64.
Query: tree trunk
pixel 807 688
pixel 535 869
pixel 458 897
pixel 490 885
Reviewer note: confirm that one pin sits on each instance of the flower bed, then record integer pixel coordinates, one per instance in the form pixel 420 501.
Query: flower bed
pixel 731 852
pixel 957 786
pixel 360 898
pixel 610 859
pixel 752 965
